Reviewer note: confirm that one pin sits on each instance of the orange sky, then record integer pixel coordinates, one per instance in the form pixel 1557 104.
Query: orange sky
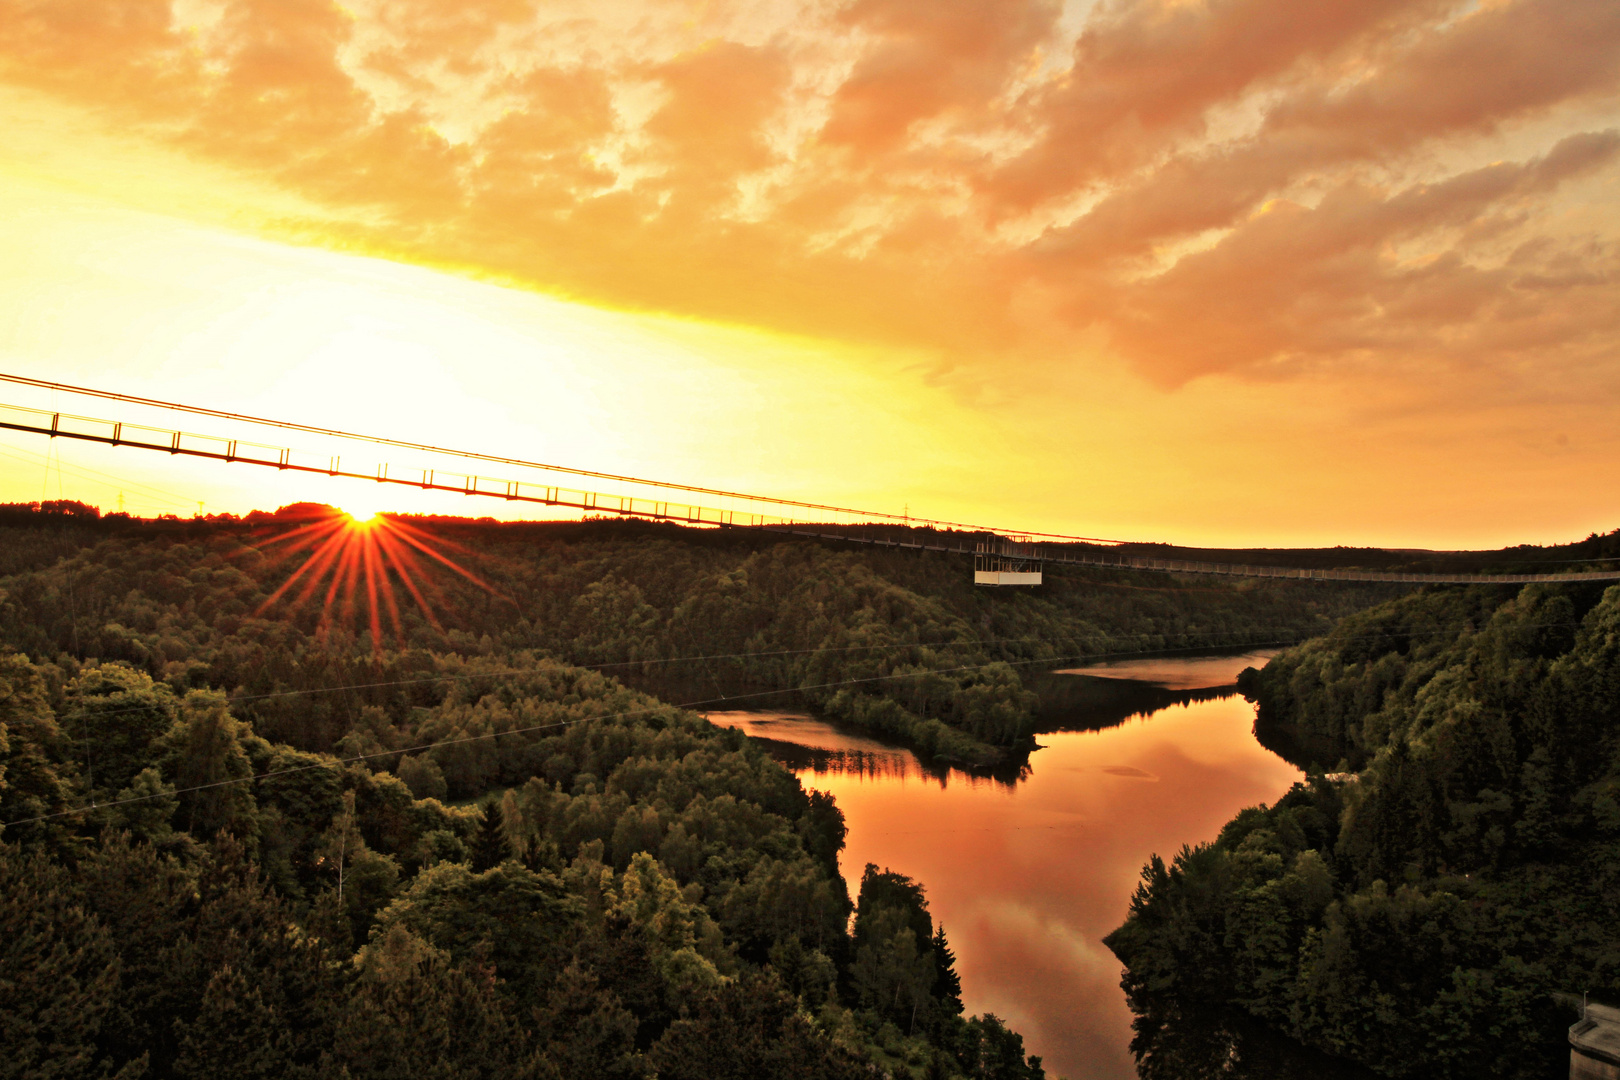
pixel 1228 272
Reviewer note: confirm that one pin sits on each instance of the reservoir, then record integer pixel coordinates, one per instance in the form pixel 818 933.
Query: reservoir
pixel 1027 875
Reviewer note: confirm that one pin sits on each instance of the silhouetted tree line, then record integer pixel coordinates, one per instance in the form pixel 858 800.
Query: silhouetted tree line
pixel 1598 550
pixel 1416 908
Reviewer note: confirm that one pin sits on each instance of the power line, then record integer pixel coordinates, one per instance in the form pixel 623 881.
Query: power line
pixel 1097 656
pixel 513 672
pixel 568 723
pixel 167 496
pixel 663 705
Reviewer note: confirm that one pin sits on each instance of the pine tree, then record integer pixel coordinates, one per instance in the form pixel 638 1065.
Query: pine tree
pixel 58 973
pixel 489 846
pixel 947 988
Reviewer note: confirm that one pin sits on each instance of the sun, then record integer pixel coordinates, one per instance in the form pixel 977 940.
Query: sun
pixel 360 555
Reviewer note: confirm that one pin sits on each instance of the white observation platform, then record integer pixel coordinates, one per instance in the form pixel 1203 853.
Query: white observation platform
pixel 1006 561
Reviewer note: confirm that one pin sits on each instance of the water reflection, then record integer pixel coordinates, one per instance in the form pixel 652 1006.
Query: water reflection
pixel 1177 673
pixel 809 744
pixel 1028 877
pixel 1110 692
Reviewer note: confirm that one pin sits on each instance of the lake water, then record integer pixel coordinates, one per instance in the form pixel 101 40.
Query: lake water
pixel 1028 876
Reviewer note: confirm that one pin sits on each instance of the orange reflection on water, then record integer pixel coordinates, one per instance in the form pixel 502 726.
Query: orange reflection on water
pixel 815 748
pixel 1028 878
pixel 1177 672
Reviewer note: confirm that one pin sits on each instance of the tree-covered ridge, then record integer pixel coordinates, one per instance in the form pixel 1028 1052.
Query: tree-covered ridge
pixel 1419 915
pixel 898 641
pixel 654 898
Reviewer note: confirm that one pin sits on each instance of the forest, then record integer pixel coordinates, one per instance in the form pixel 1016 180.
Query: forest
pixel 289 796
pixel 899 642
pixel 255 836
pixel 579 880
pixel 1426 903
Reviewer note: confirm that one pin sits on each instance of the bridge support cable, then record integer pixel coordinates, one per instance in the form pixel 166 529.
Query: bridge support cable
pixel 1016 555
pixel 332 433
pixel 187 444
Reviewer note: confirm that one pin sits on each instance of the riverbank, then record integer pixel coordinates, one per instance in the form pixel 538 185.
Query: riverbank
pixel 1028 874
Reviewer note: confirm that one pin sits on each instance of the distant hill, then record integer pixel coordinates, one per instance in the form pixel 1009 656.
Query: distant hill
pixel 899 641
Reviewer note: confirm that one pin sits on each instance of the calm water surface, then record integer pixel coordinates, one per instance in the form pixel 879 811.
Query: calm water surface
pixel 1028 877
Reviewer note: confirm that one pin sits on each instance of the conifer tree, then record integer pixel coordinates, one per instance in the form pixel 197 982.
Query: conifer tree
pixel 947 988
pixel 489 846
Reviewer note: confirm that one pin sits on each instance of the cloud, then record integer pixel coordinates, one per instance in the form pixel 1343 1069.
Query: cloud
pixel 1349 293
pixel 1145 75
pixel 1189 186
pixel 953 59
pixel 1493 64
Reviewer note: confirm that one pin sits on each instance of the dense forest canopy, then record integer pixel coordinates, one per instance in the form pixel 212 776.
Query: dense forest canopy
pixel 1450 869
pixel 900 642
pixel 224 855
pixel 282 800
pixel 661 899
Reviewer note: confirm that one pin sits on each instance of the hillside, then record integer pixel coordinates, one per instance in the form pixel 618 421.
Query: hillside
pixel 1418 909
pixel 900 642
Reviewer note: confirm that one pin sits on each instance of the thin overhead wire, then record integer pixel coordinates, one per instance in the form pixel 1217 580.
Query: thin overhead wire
pixel 528 493
pixel 698 703
pixel 542 727
pixel 513 672
pixel 20 454
pixel 1205 647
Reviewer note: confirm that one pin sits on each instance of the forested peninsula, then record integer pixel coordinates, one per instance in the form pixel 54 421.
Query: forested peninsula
pixel 1449 874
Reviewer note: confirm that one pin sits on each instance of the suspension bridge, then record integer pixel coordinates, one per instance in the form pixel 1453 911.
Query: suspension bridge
pixel 1001 557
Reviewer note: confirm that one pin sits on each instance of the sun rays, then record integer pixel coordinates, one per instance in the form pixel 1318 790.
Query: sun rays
pixel 355 557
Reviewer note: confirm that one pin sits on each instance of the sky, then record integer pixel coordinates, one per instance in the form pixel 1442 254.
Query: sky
pixel 1226 272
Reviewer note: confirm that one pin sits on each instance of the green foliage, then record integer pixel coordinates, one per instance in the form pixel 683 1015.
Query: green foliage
pixel 900 642
pixel 116 713
pixel 663 897
pixel 414 1012
pixel 751 1030
pixel 37 772
pixel 903 977
pixel 234 850
pixel 1418 915
pixel 60 976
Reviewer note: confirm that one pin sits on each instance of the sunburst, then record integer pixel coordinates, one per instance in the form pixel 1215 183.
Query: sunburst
pixel 357 553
